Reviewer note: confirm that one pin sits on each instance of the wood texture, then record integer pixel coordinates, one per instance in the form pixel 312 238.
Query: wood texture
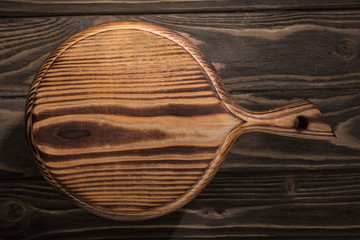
pixel 9 8
pixel 131 121
pixel 268 188
pixel 124 118
pixel 278 188
pixel 251 52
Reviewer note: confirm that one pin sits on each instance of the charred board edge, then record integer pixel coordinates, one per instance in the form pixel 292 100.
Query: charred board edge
pixel 208 68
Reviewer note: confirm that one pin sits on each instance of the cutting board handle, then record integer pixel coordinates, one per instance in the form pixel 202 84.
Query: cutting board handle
pixel 301 119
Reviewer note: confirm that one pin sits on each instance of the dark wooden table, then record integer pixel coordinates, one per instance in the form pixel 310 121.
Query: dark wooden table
pixel 269 53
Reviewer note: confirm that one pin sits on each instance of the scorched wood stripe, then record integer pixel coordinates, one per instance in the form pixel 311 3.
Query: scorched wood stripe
pixel 130 121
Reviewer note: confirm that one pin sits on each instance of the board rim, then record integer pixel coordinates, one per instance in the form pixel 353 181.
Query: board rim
pixel 210 71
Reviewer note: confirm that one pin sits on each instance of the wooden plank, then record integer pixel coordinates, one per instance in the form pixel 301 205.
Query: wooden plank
pixel 47 8
pixel 252 51
pixel 237 204
pixel 14 153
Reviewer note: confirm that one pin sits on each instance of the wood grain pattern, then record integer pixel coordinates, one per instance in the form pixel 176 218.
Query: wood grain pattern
pixel 235 196
pixel 37 8
pixel 252 52
pixel 126 121
pixel 252 185
pixel 131 121
pixel 252 200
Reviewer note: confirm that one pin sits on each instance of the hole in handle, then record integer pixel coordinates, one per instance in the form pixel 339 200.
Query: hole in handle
pixel 301 123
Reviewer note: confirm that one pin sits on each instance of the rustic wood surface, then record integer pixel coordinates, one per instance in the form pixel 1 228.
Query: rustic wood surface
pixel 18 8
pixel 129 120
pixel 269 187
pixel 126 118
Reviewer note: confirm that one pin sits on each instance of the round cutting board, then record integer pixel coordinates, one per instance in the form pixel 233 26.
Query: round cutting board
pixel 130 121
pixel 124 119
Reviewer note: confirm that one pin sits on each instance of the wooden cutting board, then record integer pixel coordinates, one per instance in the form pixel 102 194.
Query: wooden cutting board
pixel 130 121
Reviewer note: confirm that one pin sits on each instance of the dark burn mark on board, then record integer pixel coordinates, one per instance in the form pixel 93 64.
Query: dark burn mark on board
pixel 184 76
pixel 143 174
pixel 147 163
pixel 74 134
pixel 127 98
pixel 181 150
pixel 121 91
pixel 83 83
pixel 121 72
pixel 114 109
pixel 131 184
pixel 80 134
pixel 94 180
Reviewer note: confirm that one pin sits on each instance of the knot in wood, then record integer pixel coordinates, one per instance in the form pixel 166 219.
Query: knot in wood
pixel 12 212
pixel 346 49
pixel 290 187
